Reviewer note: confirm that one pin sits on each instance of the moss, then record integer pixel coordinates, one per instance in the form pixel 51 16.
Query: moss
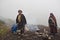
pixel 3 30
pixel 1 22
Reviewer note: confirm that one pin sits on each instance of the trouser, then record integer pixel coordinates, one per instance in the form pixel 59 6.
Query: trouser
pixel 20 27
pixel 22 30
pixel 53 29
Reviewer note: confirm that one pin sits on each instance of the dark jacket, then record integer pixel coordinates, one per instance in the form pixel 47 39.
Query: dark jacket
pixel 52 25
pixel 23 20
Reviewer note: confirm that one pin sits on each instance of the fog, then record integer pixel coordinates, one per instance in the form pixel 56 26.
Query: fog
pixel 35 11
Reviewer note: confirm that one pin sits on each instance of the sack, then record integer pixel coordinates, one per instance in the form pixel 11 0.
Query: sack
pixel 31 28
pixel 14 28
pixel 26 28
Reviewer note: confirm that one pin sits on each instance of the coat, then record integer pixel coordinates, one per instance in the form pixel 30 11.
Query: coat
pixel 23 21
pixel 52 24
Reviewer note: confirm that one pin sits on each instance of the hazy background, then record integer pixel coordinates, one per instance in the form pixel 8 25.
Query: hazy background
pixel 35 11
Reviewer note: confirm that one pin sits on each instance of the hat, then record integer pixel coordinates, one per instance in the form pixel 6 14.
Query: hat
pixel 19 10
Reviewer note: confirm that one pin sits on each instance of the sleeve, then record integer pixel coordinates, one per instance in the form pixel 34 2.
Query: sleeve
pixel 24 20
pixel 56 23
pixel 17 19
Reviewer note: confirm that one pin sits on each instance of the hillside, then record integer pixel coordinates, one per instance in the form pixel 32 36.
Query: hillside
pixel 1 22
pixel 3 29
pixel 37 35
pixel 32 34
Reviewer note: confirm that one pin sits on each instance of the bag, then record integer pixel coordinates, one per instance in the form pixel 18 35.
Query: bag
pixel 32 28
pixel 14 28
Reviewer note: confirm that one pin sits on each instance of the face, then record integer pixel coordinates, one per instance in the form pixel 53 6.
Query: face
pixel 20 12
pixel 51 14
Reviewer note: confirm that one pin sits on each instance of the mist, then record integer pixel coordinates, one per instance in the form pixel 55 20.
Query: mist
pixel 36 11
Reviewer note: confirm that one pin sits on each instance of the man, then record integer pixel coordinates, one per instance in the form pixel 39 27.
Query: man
pixel 52 24
pixel 21 21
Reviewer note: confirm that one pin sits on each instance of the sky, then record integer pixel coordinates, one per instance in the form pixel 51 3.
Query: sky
pixel 35 11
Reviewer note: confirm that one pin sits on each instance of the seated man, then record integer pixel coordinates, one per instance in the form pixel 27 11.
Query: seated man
pixel 21 21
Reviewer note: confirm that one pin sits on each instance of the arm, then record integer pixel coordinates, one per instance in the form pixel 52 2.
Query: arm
pixel 24 20
pixel 17 19
pixel 55 22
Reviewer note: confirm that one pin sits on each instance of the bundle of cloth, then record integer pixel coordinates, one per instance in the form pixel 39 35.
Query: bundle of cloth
pixel 32 28
pixel 14 28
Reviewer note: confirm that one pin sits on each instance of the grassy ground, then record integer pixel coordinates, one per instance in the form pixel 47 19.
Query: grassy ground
pixel 3 31
pixel 5 34
pixel 3 28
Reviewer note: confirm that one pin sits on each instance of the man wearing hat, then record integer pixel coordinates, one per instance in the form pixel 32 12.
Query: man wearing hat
pixel 21 21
